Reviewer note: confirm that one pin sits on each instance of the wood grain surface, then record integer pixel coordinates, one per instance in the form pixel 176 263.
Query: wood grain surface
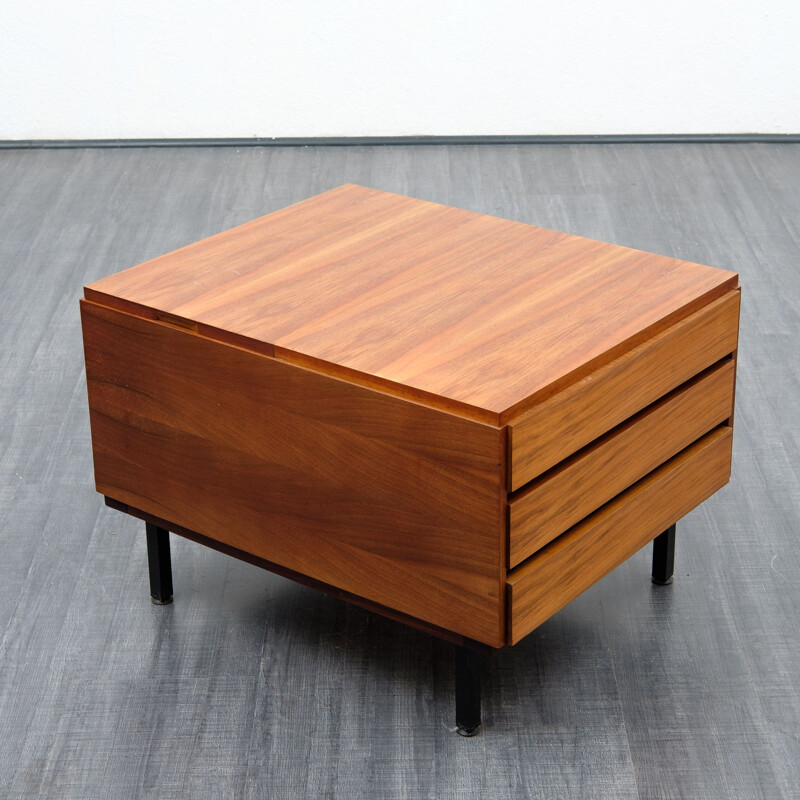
pixel 565 422
pixel 460 310
pixel 304 580
pixel 395 502
pixel 569 565
pixel 575 488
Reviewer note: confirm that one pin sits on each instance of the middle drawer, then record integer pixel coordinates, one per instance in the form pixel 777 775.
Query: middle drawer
pixel 571 490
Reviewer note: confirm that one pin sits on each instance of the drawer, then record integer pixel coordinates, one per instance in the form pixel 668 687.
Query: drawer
pixel 582 483
pixel 562 424
pixel 569 565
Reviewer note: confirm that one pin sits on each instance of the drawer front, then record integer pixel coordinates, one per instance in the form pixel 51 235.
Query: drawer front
pixel 569 420
pixel 559 572
pixel 582 483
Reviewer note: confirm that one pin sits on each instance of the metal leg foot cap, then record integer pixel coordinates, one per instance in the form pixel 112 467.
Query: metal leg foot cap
pixel 158 602
pixel 667 582
pixel 467 731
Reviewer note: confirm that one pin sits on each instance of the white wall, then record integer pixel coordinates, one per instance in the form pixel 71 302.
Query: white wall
pixel 198 68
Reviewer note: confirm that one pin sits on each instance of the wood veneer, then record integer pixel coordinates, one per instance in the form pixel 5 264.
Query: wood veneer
pixel 584 482
pixel 569 565
pixel 565 422
pixel 347 390
pixel 392 501
pixel 459 310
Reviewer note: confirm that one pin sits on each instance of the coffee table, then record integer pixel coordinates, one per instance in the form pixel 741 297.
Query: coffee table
pixel 457 421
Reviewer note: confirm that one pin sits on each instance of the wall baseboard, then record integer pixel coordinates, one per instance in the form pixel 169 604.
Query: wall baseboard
pixel 351 141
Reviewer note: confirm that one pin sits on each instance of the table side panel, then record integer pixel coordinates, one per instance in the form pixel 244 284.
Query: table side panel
pixel 575 488
pixel 386 499
pixel 569 420
pixel 569 565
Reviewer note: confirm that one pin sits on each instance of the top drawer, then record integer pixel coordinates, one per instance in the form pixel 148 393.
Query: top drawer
pixel 565 422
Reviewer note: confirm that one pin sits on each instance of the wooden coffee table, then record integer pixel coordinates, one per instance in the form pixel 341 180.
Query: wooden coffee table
pixel 458 421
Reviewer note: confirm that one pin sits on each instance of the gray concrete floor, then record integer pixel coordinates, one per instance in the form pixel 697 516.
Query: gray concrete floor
pixel 250 686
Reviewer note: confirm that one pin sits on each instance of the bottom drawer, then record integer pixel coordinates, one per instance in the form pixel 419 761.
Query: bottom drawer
pixel 569 565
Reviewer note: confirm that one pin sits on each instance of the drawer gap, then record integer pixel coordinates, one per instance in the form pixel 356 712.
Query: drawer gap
pixel 570 564
pixel 581 483
pixel 717 430
pixel 624 425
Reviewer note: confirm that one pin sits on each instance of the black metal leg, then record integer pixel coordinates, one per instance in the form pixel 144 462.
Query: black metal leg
pixel 468 690
pixel 664 556
pixel 160 564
